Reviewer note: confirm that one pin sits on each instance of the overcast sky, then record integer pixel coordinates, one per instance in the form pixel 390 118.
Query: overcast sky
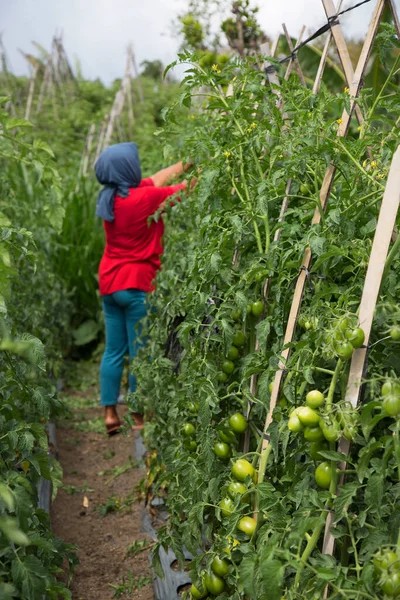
pixel 98 31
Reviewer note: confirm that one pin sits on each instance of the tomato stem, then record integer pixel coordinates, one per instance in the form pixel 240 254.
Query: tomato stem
pixel 334 381
pixel 321 370
pixel 311 544
pixel 390 258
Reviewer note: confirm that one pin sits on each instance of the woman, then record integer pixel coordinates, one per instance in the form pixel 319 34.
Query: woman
pixel 130 261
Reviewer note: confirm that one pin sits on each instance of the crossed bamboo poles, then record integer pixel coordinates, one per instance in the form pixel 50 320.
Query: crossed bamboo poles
pixel 380 248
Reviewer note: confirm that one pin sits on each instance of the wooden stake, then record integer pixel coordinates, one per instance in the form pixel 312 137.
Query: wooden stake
pixel 31 92
pixel 380 247
pixel 324 196
pixel 294 60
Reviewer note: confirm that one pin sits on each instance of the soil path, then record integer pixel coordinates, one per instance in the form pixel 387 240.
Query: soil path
pixel 96 508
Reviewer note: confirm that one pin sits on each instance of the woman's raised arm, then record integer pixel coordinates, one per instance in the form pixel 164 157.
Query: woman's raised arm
pixel 162 177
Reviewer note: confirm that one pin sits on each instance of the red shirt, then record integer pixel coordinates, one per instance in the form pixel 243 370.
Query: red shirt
pixel 131 257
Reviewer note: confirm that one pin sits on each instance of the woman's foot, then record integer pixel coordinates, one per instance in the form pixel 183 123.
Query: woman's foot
pixel 139 421
pixel 111 420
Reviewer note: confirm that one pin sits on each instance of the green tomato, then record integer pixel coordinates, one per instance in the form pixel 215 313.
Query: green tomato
pixel 304 189
pixel 384 559
pixel 390 584
pixel 228 367
pixel 257 308
pixel 313 434
pixel 344 350
pixel 316 448
pixel 220 567
pixel 247 525
pixel 239 339
pixel 270 386
pixel 308 416
pixel 349 432
pixel 355 336
pixel 188 429
pixel 222 450
pixel 294 424
pixel 233 353
pixel 323 475
pixel 301 321
pixel 238 423
pixel 236 489
pixel 227 507
pixel 236 315
pixel 227 436
pixel 242 469
pixel 222 377
pixel 390 387
pixel 190 445
pixel 261 275
pixel 193 407
pixel 198 594
pixel 315 399
pixel 391 404
pixel 344 324
pixel 395 333
pixel 330 429
pixel 214 584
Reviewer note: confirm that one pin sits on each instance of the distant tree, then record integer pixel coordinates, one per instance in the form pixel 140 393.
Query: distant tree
pixel 153 69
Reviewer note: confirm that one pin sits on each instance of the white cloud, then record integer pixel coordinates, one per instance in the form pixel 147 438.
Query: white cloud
pixel 98 31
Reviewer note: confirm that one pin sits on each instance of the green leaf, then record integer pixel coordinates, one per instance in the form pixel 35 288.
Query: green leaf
pixel 7 496
pixel 15 122
pixel 246 574
pixel 342 501
pixel 29 574
pixel 10 528
pixel 86 333
pixel 272 572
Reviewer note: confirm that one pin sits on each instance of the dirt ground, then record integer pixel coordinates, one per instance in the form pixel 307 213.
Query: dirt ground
pixel 95 509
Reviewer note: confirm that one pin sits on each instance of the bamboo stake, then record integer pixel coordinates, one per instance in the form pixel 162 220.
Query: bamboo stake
pixel 342 50
pixel 45 83
pixel 294 60
pixel 100 141
pixel 380 247
pixel 284 207
pixel 320 72
pixel 31 92
pixel 88 149
pixel 324 196
pixel 136 72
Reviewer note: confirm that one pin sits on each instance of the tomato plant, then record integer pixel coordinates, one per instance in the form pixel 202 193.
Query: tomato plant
pixel 247 153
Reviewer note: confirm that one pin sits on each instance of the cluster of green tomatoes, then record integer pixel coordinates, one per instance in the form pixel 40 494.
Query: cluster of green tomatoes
pixel 320 430
pixel 213 582
pixel 254 309
pixel 387 569
pixel 235 425
pixel 390 393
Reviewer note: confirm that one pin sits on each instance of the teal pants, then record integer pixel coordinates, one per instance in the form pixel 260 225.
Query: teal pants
pixel 122 312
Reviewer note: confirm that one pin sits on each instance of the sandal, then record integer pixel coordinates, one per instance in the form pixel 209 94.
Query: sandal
pixel 138 417
pixel 113 428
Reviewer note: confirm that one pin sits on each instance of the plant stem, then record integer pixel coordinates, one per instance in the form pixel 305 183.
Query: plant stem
pixel 311 544
pixel 263 463
pixel 357 163
pixel 383 88
pixel 334 381
pixel 390 258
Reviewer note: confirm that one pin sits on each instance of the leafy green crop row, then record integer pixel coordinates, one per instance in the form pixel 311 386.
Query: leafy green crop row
pixel 33 311
pixel 210 309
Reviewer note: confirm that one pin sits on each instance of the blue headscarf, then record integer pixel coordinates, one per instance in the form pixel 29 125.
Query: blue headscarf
pixel 118 169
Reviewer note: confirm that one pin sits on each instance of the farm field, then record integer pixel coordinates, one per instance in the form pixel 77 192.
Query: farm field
pixel 269 366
